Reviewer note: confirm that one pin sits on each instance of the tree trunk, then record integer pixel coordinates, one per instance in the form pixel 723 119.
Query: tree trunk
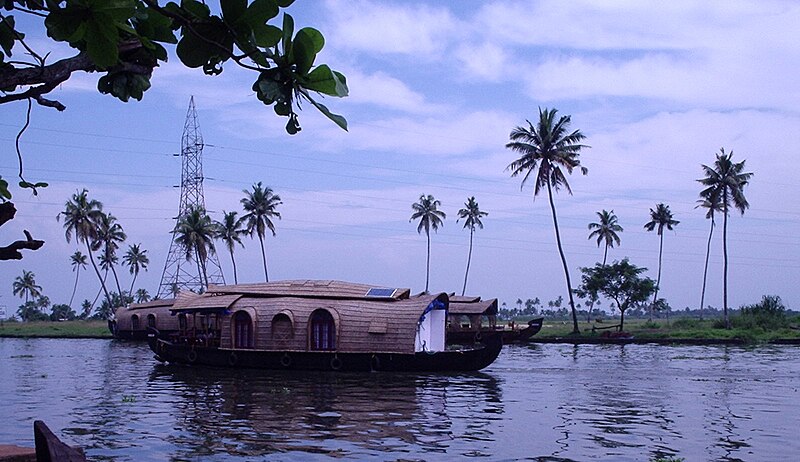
pixel 469 259
pixel 575 329
pixel 75 287
pixel 116 280
pixel 130 291
pixel 605 254
pixel 97 271
pixel 263 257
pixel 233 260
pixel 725 266
pixel 705 268
pixel 658 279
pixel 428 265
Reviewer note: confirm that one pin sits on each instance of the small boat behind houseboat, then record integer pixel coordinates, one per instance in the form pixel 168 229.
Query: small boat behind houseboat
pixel 473 320
pixel 317 325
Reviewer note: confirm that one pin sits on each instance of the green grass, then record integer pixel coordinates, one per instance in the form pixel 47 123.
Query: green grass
pixel 679 329
pixel 65 329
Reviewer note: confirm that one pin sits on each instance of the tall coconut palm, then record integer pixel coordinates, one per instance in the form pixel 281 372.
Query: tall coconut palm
pixel 81 216
pixel 430 217
pixel 712 206
pixel 547 149
pixel 109 236
pixel 261 204
pixel 142 296
pixel 725 182
pixel 472 218
pixel 136 259
pixel 195 232
pixel 660 218
pixel 78 261
pixel 606 231
pixel 230 231
pixel 26 286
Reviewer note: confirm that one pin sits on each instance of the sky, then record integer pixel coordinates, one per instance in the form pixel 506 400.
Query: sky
pixel 435 90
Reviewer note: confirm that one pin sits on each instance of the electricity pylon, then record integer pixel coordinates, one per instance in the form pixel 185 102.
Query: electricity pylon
pixel 179 273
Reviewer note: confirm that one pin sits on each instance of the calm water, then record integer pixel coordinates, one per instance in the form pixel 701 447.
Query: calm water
pixel 538 402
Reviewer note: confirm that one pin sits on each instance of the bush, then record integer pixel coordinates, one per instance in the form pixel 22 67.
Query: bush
pixel 651 325
pixel 686 323
pixel 769 314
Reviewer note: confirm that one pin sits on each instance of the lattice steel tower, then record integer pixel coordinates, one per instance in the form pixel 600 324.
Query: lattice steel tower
pixel 180 273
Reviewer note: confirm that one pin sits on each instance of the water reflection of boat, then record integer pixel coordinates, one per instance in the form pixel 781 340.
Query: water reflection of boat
pixel 471 320
pixel 317 325
pixel 296 415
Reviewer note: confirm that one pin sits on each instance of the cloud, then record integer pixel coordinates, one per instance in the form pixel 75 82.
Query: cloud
pixel 389 29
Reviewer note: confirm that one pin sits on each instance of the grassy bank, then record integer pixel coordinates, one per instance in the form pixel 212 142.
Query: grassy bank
pixel 681 330
pixel 65 329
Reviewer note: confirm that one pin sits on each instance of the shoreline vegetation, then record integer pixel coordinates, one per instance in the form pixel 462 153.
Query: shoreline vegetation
pixel 674 331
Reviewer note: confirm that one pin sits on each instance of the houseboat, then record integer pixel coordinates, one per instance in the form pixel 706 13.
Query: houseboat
pixel 472 320
pixel 133 321
pixel 317 325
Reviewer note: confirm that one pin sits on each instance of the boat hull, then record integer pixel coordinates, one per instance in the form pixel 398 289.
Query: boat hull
pixel 473 359
pixel 460 337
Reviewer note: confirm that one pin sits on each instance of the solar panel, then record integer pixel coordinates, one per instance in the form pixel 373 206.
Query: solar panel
pixel 380 292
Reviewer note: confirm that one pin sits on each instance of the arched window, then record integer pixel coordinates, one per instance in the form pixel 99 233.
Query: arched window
pixel 282 330
pixel 242 330
pixel 135 322
pixel 151 320
pixel 322 331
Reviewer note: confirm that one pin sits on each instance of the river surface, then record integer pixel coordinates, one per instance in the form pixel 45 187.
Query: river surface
pixel 536 402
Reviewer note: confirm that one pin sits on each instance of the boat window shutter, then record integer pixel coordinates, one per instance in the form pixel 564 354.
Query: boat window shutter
pixel 282 331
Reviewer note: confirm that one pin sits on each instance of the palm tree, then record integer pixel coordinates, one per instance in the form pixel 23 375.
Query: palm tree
pixel 725 183
pixel 546 149
pixel 26 286
pixel 230 231
pixel 712 205
pixel 81 216
pixel 137 260
pixel 78 260
pixel 142 296
pixel 195 232
pixel 260 205
pixel 472 215
pixel 109 236
pixel 606 230
pixel 660 218
pixel 430 217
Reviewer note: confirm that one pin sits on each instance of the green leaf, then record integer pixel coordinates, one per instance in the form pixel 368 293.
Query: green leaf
pixel 307 43
pixel 261 11
pixel 233 10
pixel 323 80
pixel 194 51
pixel 196 9
pixel 5 194
pixel 336 118
pixel 288 32
pixel 285 3
pixel 101 43
pixel 267 36
pixel 7 34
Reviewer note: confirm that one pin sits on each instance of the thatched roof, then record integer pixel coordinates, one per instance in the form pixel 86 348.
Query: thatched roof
pixel 328 289
pixel 472 305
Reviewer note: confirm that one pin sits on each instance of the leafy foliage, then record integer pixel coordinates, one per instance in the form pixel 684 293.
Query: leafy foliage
pixel 769 314
pixel 126 39
pixel 620 282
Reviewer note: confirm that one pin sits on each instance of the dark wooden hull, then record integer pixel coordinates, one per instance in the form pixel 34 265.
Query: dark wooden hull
pixel 508 336
pixel 127 334
pixel 473 359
